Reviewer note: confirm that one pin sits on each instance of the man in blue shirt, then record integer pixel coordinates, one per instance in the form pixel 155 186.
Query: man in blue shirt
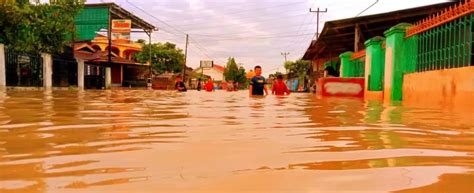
pixel 257 83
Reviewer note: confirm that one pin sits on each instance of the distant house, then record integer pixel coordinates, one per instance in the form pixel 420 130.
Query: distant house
pixel 216 72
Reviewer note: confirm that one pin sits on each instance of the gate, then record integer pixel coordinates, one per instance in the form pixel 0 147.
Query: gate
pixel 64 72
pixel 23 69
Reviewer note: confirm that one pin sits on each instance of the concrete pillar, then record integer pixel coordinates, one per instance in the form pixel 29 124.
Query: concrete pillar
pixel 80 74
pixel 374 64
pixel 346 64
pixel 3 75
pixel 47 70
pixel 108 78
pixel 394 62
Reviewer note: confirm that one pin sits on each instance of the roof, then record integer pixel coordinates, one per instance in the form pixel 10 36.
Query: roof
pixel 338 36
pixel 102 56
pixel 218 67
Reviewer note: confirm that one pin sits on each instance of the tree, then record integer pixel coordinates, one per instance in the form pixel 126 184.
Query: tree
pixel 298 69
pixel 275 75
pixel 39 27
pixel 164 57
pixel 234 73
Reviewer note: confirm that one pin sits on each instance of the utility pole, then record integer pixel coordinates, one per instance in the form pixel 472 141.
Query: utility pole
pixel 185 57
pixel 109 54
pixel 285 54
pixel 317 19
pixel 149 59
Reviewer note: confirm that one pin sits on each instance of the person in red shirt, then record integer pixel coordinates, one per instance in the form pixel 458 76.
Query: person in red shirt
pixel 209 85
pixel 279 87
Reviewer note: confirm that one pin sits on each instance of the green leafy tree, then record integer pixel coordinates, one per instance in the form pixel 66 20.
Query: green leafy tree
pixel 298 69
pixel 241 77
pixel 233 73
pixel 39 27
pixel 231 70
pixel 164 57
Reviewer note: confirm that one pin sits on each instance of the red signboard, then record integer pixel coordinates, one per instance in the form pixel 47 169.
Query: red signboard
pixel 121 29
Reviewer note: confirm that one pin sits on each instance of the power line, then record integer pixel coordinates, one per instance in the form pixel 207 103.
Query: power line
pixel 286 47
pixel 260 37
pixel 240 32
pixel 178 30
pixel 200 48
pixel 317 20
pixel 244 11
pixel 279 18
pixel 248 16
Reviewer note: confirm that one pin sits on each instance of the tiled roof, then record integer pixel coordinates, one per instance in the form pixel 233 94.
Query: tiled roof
pixel 219 68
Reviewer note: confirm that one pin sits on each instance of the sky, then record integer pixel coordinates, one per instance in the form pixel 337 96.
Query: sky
pixel 254 32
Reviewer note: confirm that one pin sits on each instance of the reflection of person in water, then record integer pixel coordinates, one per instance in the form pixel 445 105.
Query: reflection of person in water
pixel 179 86
pixel 330 72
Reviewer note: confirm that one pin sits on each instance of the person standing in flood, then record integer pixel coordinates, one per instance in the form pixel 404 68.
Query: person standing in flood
pixel 179 85
pixel 257 83
pixel 209 85
pixel 279 87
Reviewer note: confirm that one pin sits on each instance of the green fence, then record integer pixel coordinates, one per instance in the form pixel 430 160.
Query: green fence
pixel 358 67
pixel 446 46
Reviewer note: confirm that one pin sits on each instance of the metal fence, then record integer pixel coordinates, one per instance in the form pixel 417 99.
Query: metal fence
pixel 94 77
pixel 64 72
pixel 446 46
pixel 358 68
pixel 23 69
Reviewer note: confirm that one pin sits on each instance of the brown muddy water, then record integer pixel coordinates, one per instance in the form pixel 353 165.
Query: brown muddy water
pixel 145 141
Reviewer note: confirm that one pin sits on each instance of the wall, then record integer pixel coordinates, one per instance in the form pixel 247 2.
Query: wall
pixel 213 73
pixel 449 88
pixel 342 87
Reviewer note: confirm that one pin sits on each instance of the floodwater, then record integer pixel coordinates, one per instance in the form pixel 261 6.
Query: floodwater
pixel 145 141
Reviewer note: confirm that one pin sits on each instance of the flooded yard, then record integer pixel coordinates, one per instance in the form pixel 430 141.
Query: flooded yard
pixel 162 141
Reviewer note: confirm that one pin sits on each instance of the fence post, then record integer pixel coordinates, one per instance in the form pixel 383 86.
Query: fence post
pixel 374 64
pixel 3 78
pixel 80 74
pixel 394 62
pixel 108 77
pixel 47 70
pixel 346 64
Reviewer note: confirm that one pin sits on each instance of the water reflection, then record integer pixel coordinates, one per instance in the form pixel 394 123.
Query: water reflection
pixel 144 141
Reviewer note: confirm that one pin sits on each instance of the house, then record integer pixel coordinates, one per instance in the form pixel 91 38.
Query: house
pixel 216 72
pixel 102 66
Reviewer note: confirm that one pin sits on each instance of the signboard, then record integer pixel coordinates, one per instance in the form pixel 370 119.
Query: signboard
pixel 206 63
pixel 335 86
pixel 121 29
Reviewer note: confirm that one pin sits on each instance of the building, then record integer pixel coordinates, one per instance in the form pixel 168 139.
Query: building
pixel 216 72
pixel 421 56
pixel 108 61
pixel 344 35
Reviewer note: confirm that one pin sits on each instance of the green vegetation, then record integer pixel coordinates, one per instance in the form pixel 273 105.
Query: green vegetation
pixel 38 27
pixel 164 57
pixel 233 73
pixel 298 69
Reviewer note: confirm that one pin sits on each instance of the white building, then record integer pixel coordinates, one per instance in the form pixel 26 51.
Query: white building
pixel 216 72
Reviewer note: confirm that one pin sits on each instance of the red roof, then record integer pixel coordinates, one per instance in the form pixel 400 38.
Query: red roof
pixel 219 68
pixel 101 56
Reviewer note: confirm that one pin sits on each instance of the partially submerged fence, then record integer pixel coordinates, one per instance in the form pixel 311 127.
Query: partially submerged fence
pixel 445 40
pixel 23 69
